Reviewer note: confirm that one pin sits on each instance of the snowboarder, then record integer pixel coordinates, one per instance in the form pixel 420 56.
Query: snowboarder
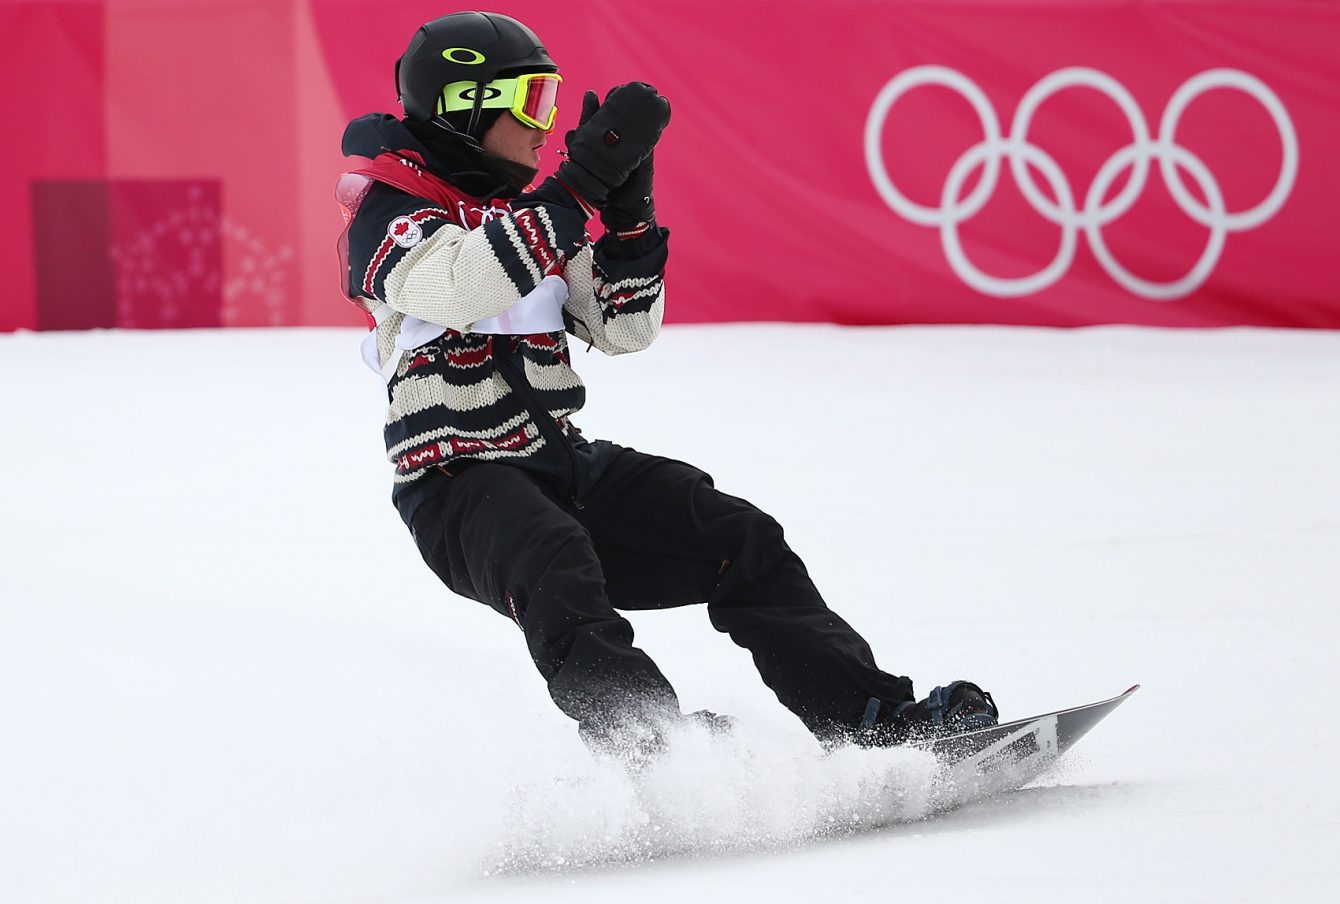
pixel 472 282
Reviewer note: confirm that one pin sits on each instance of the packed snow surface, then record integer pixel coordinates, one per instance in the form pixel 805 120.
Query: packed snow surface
pixel 226 675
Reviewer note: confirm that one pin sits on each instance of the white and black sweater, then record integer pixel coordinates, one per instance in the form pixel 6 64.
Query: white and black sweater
pixel 467 396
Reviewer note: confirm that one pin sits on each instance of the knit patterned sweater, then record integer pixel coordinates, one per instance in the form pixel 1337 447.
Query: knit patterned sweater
pixel 426 259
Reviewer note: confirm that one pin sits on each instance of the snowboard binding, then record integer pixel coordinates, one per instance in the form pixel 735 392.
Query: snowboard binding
pixel 956 708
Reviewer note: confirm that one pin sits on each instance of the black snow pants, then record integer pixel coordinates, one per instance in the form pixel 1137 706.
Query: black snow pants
pixel 650 533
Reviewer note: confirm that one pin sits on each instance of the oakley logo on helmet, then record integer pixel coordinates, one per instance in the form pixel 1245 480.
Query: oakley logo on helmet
pixel 466 56
pixel 490 93
pixel 1095 212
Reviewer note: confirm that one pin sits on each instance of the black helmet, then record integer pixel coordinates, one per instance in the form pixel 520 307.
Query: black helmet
pixel 464 47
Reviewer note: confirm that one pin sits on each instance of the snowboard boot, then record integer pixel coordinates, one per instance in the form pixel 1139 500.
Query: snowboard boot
pixel 632 744
pixel 637 743
pixel 718 726
pixel 953 709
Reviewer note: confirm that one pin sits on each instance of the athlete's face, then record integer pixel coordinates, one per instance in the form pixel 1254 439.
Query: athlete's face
pixel 514 140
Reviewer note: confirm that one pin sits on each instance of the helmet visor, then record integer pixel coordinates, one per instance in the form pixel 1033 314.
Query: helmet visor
pixel 532 98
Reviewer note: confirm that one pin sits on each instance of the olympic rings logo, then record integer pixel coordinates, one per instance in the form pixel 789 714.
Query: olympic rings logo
pixel 1096 212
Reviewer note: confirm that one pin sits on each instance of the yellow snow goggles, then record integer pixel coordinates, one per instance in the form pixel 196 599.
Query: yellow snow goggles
pixel 532 98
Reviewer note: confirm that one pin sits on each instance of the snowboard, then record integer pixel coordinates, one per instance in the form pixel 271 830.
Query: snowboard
pixel 978 764
pixel 687 805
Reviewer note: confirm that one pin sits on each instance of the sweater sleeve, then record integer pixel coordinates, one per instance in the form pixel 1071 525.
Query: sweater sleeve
pixel 420 261
pixel 616 292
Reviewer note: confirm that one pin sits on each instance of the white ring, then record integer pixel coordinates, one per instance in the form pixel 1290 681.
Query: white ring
pixel 874 151
pixel 1078 77
pixel 1172 115
pixel 1024 285
pixel 1193 280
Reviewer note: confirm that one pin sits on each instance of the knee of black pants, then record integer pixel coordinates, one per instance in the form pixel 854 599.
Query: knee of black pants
pixel 548 581
pixel 765 582
pixel 754 545
pixel 494 538
pixel 559 599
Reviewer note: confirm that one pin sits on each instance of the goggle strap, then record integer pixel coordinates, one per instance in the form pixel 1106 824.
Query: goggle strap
pixel 475 109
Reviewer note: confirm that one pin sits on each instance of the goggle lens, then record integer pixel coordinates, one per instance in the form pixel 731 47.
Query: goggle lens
pixel 536 102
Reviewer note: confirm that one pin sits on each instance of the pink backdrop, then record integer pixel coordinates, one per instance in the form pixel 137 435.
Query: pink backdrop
pixel 1067 162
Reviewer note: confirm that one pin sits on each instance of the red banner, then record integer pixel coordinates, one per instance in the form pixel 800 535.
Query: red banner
pixel 171 162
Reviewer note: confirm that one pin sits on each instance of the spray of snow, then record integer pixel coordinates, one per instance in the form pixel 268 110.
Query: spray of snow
pixel 708 795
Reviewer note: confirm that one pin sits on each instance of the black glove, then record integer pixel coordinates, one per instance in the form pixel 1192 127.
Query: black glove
pixel 612 139
pixel 631 203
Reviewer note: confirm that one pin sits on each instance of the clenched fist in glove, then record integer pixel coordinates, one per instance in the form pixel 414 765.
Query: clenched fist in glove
pixel 631 204
pixel 612 139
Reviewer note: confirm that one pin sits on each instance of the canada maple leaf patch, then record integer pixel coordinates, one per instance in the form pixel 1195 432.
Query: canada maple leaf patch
pixel 404 232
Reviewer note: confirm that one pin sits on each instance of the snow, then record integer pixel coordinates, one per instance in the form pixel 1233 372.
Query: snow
pixel 225 674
